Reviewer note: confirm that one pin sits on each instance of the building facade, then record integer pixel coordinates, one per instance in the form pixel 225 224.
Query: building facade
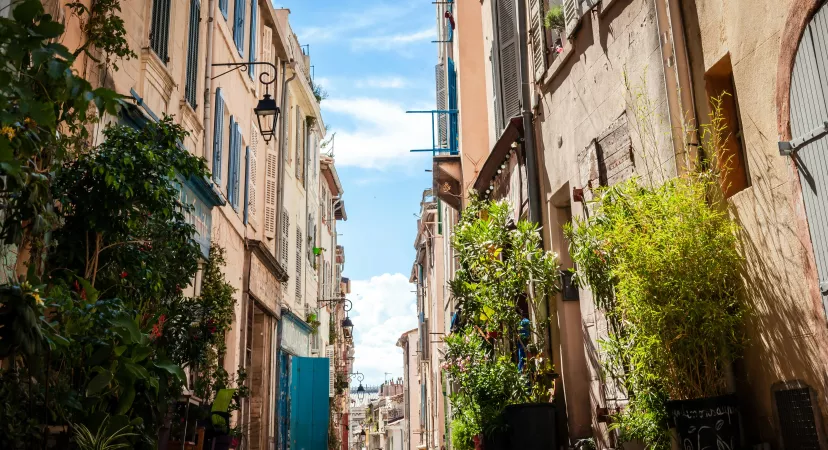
pixel 617 90
pixel 272 203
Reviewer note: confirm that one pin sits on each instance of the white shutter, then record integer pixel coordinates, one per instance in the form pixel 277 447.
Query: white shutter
pixel 329 353
pixel 442 103
pixel 285 237
pixel 267 55
pixel 253 176
pixel 537 36
pixel 271 172
pixel 299 262
pixel 572 15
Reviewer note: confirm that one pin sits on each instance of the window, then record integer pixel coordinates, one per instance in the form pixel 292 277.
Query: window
pixel 238 25
pixel 160 29
pixel 254 10
pixel 299 262
pixel 731 161
pixel 223 8
pixel 234 164
pixel 192 53
pixel 218 136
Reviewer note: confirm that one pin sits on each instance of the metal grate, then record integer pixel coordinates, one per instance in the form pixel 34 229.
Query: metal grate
pixel 160 29
pixel 192 53
pixel 796 419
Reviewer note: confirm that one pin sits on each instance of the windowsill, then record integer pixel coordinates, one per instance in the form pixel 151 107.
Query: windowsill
pixel 557 65
pixel 153 65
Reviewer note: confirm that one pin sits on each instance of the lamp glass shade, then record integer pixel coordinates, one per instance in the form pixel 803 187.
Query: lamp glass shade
pixel 347 327
pixel 267 113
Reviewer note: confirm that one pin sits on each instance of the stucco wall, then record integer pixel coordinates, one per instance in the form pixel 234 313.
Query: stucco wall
pixel 583 94
pixel 787 330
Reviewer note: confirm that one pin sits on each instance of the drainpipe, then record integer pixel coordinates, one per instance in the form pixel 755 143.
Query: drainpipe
pixel 208 80
pixel 533 176
pixel 280 198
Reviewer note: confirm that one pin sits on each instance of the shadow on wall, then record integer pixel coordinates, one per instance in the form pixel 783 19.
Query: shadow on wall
pixel 783 330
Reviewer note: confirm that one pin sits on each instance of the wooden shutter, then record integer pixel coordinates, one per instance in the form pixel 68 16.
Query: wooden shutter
pixel 299 262
pixel 453 135
pixel 192 53
pixel 253 176
pixel 247 185
pixel 537 37
pixel 230 160
pixel 267 54
pixel 298 143
pixel 223 8
pixel 508 58
pixel 285 237
pixel 809 110
pixel 238 25
pixel 442 103
pixel 218 136
pixel 329 353
pixel 271 175
pixel 237 166
pixel 160 29
pixel 572 15
pixel 254 16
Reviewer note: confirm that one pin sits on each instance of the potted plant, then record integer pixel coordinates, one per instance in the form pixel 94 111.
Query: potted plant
pixel 496 354
pixel 663 265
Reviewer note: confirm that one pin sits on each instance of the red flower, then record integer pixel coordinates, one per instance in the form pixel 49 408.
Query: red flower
pixel 76 286
pixel 124 274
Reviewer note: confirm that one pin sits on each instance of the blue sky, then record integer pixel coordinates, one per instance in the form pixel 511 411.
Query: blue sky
pixel 376 60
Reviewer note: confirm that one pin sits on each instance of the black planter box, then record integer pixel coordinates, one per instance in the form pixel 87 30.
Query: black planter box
pixel 706 422
pixel 528 426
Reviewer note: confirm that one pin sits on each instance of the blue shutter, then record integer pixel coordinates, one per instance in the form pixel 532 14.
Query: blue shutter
pixel 238 26
pixel 223 8
pixel 192 53
pixel 453 143
pixel 246 183
pixel 218 136
pixel 309 403
pixel 237 140
pixel 230 161
pixel 253 32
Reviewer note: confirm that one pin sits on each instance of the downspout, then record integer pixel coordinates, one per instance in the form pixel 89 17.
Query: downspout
pixel 678 85
pixel 208 80
pixel 533 186
pixel 280 183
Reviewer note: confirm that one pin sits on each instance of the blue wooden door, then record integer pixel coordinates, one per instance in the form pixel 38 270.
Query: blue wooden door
pixel 809 110
pixel 283 414
pixel 309 404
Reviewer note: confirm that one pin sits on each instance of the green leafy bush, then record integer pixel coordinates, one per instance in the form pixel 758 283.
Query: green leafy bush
pixel 503 276
pixel 662 263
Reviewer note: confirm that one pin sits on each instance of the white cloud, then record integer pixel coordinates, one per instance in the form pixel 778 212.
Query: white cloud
pixel 383 133
pixel 389 82
pixel 393 41
pixel 348 22
pixel 384 308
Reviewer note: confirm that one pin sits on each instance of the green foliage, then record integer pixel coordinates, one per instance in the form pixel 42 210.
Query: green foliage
pixel 45 110
pixel 504 275
pixel 554 18
pixel 104 30
pixel 662 263
pixel 103 439
pixel 462 433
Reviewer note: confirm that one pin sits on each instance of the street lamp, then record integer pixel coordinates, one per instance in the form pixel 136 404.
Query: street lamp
pixel 360 392
pixel 267 112
pixel 348 327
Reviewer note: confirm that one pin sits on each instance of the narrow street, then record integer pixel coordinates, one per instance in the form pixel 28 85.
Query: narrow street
pixel 570 224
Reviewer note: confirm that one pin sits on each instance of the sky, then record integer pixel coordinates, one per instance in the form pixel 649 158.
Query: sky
pixel 376 60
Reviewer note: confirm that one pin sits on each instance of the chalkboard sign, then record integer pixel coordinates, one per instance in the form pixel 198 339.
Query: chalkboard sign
pixel 706 423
